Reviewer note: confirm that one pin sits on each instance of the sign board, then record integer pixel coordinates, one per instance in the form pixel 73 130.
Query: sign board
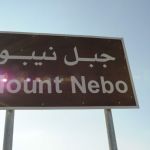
pixel 43 71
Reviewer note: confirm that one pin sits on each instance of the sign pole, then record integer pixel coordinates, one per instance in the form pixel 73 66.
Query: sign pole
pixel 8 132
pixel 110 130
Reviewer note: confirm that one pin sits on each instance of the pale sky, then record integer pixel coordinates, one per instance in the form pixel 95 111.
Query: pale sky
pixel 84 129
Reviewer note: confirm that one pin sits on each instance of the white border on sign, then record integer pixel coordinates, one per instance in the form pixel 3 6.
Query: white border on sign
pixel 78 107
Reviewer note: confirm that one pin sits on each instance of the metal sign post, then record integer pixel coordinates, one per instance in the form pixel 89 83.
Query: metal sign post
pixel 110 130
pixel 8 133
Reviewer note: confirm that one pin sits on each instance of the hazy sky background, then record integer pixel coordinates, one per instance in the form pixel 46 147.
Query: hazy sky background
pixel 85 129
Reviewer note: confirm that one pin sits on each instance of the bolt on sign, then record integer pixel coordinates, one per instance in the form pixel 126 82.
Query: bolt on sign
pixel 43 71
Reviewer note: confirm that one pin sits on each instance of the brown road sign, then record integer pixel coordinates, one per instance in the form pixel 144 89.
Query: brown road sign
pixel 43 71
